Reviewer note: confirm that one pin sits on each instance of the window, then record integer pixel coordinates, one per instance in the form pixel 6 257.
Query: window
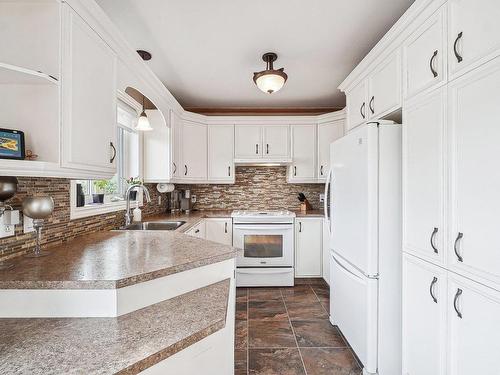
pixel 100 196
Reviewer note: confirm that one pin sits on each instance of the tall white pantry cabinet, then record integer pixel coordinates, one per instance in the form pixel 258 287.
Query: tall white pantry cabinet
pixel 451 185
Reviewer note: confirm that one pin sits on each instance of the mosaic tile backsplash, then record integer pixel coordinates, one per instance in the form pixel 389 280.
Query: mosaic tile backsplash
pixel 255 188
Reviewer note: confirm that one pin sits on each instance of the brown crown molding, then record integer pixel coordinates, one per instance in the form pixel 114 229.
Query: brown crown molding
pixel 244 111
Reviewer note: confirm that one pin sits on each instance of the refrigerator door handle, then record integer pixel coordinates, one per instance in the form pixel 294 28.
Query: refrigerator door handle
pixel 344 267
pixel 326 202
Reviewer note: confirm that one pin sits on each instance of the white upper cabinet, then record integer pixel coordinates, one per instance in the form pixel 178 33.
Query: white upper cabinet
pixel 424 317
pixel 327 133
pixel 176 144
pixel 308 243
pixel 303 168
pixel 473 33
pixel 194 151
pixel 261 143
pixel 423 177
pixel 220 153
pixel 384 88
pixel 219 230
pixel 247 142
pixel 276 142
pixel 473 327
pixel 357 106
pixel 424 56
pixel 156 150
pixel 475 176
pixel 88 98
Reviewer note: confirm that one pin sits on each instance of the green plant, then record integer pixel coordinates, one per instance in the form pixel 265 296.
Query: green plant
pixel 105 186
pixel 133 180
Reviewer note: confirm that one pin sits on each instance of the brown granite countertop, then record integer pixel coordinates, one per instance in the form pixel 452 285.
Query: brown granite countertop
pixel 116 259
pixel 124 345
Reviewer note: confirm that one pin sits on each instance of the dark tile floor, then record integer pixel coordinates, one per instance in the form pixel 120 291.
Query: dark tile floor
pixel 286 331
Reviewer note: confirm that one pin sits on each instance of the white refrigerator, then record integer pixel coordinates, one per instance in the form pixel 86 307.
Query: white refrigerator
pixel 365 244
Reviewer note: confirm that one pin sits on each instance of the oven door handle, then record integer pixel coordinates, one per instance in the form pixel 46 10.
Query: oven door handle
pixel 263 227
pixel 262 270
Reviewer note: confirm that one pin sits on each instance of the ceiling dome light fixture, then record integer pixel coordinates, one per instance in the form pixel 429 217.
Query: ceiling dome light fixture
pixel 270 80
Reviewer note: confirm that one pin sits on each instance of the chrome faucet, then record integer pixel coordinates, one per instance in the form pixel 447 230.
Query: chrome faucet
pixel 127 197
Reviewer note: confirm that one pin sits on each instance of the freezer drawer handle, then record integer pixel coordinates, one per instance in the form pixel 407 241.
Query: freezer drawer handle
pixel 434 232
pixel 455 302
pixel 431 64
pixel 455 47
pixel 455 246
pixel 431 289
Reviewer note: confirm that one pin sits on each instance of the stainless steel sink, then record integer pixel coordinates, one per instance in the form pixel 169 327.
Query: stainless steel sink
pixel 154 225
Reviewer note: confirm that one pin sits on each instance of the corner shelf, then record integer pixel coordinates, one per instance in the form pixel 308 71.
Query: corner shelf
pixel 12 74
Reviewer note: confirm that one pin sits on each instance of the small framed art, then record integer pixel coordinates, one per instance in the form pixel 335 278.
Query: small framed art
pixel 11 144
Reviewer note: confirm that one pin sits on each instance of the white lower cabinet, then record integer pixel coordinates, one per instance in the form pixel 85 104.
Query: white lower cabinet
pixel 308 246
pixel 197 230
pixel 219 230
pixel 473 327
pixel 424 317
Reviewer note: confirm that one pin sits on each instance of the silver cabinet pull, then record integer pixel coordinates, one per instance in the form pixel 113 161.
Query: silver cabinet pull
pixel 455 246
pixel 294 170
pixel 229 171
pixel 197 231
pixel 431 64
pixel 434 232
pixel 362 110
pixel 455 47
pixel 257 149
pixel 455 302
pixel 300 226
pixel 185 170
pixel 321 170
pixel 112 159
pixel 372 108
pixel 431 289
pixel 175 168
pixel 225 227
pixel 267 148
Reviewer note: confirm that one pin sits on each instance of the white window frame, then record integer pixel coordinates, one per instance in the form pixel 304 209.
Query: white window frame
pixel 99 209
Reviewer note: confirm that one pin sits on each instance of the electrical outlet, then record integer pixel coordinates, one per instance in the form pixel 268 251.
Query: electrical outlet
pixel 159 200
pixel 321 198
pixel 6 230
pixel 193 198
pixel 28 224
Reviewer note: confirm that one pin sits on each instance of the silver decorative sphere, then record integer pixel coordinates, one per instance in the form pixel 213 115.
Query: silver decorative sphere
pixel 8 187
pixel 38 207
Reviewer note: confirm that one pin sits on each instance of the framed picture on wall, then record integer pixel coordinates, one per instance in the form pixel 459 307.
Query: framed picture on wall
pixel 11 144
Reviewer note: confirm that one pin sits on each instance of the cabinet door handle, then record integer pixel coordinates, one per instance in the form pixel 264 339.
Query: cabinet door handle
pixel 197 231
pixel 455 47
pixel 321 170
pixel 175 168
pixel 229 171
pixel 362 110
pixel 455 302
pixel 431 64
pixel 185 170
pixel 267 148
pixel 294 170
pixel 434 232
pixel 257 149
pixel 372 100
pixel 431 289
pixel 300 226
pixel 455 246
pixel 225 227
pixel 113 156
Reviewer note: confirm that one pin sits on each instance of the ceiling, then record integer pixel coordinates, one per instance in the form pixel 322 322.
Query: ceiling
pixel 205 52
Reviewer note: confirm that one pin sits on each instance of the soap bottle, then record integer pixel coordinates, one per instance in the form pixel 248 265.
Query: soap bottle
pixel 137 213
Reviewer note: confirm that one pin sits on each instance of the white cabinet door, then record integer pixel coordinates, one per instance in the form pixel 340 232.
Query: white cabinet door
pixel 423 177
pixel 303 168
pixel 88 98
pixel 194 151
pixel 220 153
pixel 156 150
pixel 276 142
pixel 473 33
pixel 327 133
pixel 176 144
pixel 385 88
pixel 473 327
pixel 219 230
pixel 424 317
pixel 475 176
pixel 308 241
pixel 357 106
pixel 425 56
pixel 247 142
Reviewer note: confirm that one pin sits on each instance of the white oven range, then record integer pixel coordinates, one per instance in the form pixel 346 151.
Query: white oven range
pixel 267 240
